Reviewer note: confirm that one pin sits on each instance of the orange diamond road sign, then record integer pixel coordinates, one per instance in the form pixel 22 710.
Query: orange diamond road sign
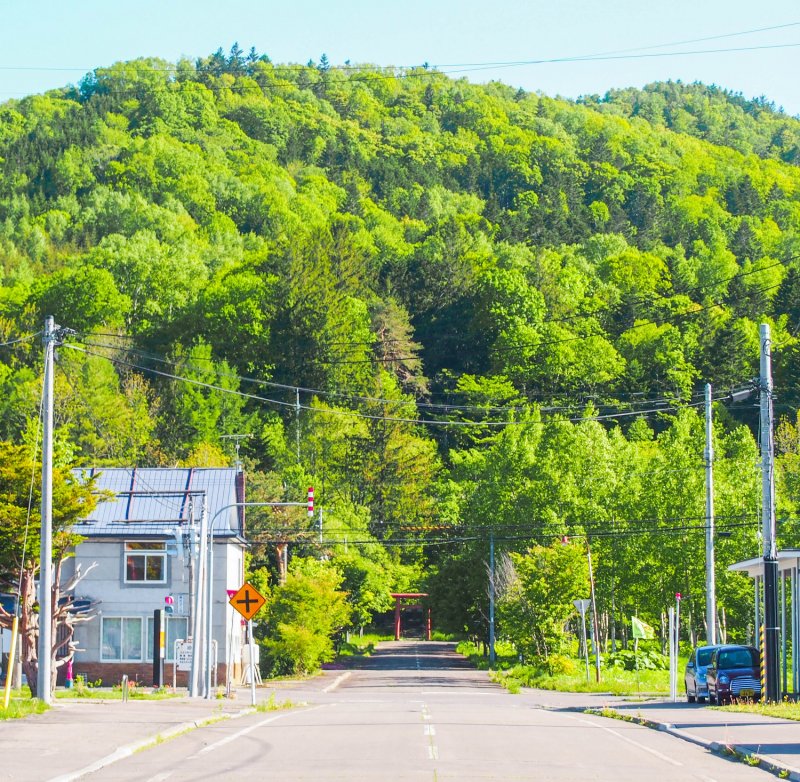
pixel 247 601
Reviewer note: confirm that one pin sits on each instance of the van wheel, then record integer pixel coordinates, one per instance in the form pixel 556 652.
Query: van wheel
pixel 690 698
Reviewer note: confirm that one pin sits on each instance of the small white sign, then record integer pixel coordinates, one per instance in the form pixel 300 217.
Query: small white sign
pixel 183 655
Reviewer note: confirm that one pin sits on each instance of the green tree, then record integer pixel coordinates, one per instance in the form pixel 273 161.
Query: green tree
pixel 536 595
pixel 304 615
pixel 20 550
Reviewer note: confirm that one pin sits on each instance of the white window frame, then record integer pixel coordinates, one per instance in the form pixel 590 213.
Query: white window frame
pixel 169 638
pixel 123 621
pixel 158 551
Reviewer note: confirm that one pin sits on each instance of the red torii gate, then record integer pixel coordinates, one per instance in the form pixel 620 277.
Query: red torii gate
pixel 398 596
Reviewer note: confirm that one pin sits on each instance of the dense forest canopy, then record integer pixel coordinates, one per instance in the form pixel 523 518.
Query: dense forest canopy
pixel 449 307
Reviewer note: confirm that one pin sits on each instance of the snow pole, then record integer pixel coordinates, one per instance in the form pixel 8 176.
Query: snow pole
pixel 11 660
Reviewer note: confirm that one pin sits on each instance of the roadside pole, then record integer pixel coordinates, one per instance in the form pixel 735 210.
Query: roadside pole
pixel 252 663
pixel 595 626
pixel 711 594
pixel 582 605
pixel 673 679
pixel 199 593
pixel 770 653
pixel 492 655
pixel 11 663
pixel 45 648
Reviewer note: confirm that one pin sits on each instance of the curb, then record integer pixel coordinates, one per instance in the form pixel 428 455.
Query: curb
pixel 136 746
pixel 736 751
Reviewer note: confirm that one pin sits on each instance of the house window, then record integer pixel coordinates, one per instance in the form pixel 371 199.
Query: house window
pixel 121 638
pixel 145 562
pixel 177 627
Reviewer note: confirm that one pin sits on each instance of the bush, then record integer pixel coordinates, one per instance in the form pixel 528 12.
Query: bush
pixel 644 660
pixel 303 617
pixel 559 664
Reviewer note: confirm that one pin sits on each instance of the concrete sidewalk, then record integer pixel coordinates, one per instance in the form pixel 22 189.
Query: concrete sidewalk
pixel 81 735
pixel 775 742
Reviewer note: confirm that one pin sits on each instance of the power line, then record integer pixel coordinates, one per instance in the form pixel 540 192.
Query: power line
pixel 356 414
pixel 432 406
pixel 16 341
pixel 298 68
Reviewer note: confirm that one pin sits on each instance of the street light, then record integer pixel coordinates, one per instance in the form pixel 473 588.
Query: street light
pixel 210 578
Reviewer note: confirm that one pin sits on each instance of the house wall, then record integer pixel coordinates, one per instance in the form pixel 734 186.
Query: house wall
pixel 114 598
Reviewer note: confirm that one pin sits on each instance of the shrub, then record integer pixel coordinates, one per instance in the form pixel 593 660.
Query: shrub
pixel 644 660
pixel 304 615
pixel 558 665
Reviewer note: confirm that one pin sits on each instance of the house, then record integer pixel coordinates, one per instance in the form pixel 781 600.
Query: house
pixel 140 548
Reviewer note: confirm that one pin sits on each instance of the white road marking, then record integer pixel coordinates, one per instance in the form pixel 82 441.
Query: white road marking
pixel 244 732
pixel 160 777
pixel 630 741
pixel 429 730
pixel 337 681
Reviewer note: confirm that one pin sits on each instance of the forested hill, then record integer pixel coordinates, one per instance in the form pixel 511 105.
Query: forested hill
pixel 708 112
pixel 414 293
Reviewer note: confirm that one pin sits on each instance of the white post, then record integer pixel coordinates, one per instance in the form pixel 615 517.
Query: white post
pixel 252 663
pixel 673 688
pixel 583 639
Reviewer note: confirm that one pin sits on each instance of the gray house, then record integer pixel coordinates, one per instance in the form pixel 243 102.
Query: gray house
pixel 140 548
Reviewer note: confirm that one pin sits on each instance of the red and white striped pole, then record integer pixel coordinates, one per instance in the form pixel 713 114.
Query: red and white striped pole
pixel 310 501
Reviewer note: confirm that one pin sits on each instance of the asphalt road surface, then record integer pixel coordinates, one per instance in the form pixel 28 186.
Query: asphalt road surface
pixel 417 711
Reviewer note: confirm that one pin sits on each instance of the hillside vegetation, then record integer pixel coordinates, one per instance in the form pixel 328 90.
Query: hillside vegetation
pixel 450 308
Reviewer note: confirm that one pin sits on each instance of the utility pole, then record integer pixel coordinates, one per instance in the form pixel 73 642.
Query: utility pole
pixel 297 421
pixel 491 599
pixel 769 656
pixel 197 680
pixel 45 650
pixel 595 625
pixel 237 438
pixel 711 589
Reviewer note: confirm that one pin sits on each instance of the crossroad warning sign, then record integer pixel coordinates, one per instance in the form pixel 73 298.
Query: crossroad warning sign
pixel 247 601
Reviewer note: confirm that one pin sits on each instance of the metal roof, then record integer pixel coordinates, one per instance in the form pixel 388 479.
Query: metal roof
pixel 154 500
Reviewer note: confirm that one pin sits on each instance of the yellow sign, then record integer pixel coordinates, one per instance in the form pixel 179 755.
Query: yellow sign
pixel 247 601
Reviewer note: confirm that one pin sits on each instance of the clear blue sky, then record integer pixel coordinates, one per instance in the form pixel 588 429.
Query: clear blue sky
pixel 47 44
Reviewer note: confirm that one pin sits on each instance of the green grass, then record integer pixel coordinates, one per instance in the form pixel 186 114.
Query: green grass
pixel 21 705
pixel 513 676
pixel 115 693
pixel 786 710
pixel 272 705
pixel 612 680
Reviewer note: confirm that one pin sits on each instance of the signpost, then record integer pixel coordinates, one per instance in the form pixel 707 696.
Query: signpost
pixel 181 658
pixel 247 601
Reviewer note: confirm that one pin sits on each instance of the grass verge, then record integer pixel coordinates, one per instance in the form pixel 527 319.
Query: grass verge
pixel 615 680
pixel 22 705
pixel 787 710
pixel 115 693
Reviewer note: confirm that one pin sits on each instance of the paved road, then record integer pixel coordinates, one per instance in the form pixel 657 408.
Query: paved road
pixel 417 711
